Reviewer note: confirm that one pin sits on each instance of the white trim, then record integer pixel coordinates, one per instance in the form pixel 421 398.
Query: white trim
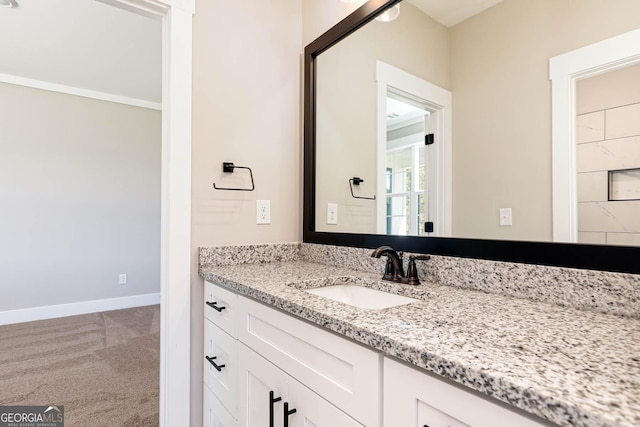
pixel 175 307
pixel 73 309
pixel 439 100
pixel 70 90
pixel 175 227
pixel 564 71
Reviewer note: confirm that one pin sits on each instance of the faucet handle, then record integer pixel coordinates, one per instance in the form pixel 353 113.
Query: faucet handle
pixel 412 271
pixel 389 270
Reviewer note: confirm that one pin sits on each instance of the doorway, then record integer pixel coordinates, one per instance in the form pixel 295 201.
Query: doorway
pixel 406 175
pixel 564 71
pixel 175 223
pixel 175 251
pixel 413 155
pixel 608 157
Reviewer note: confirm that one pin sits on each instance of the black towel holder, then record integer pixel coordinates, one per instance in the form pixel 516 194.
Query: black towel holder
pixel 357 181
pixel 229 167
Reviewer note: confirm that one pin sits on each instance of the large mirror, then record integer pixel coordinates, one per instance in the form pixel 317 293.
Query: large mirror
pixel 438 124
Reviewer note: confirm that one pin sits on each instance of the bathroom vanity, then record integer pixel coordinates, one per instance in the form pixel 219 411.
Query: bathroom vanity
pixel 514 324
pixel 454 357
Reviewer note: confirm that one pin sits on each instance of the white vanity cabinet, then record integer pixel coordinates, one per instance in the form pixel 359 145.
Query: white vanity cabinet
pixel 323 379
pixel 414 398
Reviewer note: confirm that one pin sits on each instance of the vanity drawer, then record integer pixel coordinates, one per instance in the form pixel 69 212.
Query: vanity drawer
pixel 222 350
pixel 343 372
pixel 220 306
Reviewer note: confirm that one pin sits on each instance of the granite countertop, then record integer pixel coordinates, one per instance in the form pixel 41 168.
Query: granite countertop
pixel 571 367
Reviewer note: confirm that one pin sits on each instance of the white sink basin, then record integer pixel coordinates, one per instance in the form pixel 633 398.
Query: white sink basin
pixel 360 296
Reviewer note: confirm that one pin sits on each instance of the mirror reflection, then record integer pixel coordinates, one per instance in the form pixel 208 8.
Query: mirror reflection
pixel 447 121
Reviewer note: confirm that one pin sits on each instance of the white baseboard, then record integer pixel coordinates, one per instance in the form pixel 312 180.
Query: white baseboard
pixel 73 309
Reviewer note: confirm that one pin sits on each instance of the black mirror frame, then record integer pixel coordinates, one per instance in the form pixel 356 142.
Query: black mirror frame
pixel 595 257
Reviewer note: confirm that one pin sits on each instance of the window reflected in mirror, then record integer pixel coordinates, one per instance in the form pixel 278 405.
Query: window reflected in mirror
pixel 405 168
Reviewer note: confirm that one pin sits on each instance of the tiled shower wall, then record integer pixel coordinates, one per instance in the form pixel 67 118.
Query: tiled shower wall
pixel 608 139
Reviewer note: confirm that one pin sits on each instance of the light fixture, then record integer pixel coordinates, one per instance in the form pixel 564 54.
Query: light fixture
pixel 8 3
pixel 389 14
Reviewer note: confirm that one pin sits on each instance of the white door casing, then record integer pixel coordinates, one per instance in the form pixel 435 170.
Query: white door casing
pixel 564 70
pixel 175 211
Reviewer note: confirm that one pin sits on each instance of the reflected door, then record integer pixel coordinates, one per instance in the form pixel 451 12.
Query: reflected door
pixel 407 173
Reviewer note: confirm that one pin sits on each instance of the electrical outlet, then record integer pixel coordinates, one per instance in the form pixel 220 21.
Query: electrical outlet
pixel 332 213
pixel 263 212
pixel 506 217
pixel 122 279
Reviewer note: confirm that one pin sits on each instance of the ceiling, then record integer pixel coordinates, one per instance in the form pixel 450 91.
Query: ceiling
pixel 84 44
pixel 452 12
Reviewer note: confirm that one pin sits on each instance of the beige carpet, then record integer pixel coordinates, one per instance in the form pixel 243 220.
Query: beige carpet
pixel 102 367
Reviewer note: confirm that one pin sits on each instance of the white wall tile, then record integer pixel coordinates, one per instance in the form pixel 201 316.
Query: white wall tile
pixel 592 186
pixel 623 122
pixel 590 127
pixel 623 239
pixel 593 238
pixel 608 155
pixel 609 216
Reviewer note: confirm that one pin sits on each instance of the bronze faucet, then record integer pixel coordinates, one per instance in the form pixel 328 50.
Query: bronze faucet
pixel 394 270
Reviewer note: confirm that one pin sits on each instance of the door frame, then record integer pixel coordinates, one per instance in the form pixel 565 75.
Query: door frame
pixel 439 101
pixel 564 71
pixel 175 210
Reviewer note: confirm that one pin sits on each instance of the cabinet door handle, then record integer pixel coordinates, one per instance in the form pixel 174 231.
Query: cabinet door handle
pixel 287 412
pixel 214 306
pixel 215 365
pixel 272 400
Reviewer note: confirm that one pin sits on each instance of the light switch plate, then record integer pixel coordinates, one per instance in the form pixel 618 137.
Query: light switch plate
pixel 506 217
pixel 332 213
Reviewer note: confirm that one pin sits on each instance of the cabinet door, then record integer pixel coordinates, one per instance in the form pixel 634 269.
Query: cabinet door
pixel 312 410
pixel 343 372
pixel 263 390
pixel 214 414
pixel 414 398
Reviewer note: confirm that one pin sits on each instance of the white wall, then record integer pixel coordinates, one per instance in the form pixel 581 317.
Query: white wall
pixel 502 107
pixel 320 15
pixel 247 59
pixel 80 192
